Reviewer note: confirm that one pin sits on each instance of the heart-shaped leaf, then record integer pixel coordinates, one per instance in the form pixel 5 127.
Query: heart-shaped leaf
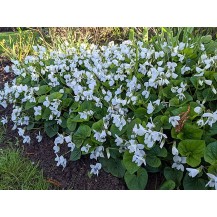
pixel 193 150
pixel 127 161
pixel 173 174
pixel 168 185
pixel 195 183
pixel 136 181
pixel 81 134
pixel 113 166
pixel 75 154
pixel 210 154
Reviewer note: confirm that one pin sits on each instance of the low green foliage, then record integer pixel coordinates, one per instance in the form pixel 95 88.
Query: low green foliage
pixel 168 185
pixel 18 173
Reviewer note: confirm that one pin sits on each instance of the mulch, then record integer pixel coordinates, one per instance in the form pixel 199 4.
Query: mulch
pixel 75 175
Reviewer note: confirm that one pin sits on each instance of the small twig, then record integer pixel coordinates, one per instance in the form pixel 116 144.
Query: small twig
pixel 183 118
pixel 54 182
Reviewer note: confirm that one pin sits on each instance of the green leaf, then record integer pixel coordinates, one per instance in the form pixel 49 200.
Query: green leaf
pixel 153 155
pixel 114 130
pixel 157 122
pixel 200 95
pixel 145 34
pixel 208 139
pixel 46 114
pixel 165 121
pixel 193 150
pixel 131 125
pixel 37 117
pixel 98 126
pixel 215 76
pixel 41 99
pixel 129 165
pixel 158 108
pixel 212 130
pixel 210 75
pixel 131 34
pixel 43 90
pixel 136 181
pixel 74 106
pixel 152 169
pixel 194 80
pixel 177 103
pixel 75 154
pixel 66 102
pixel 173 174
pixel 141 113
pixel 210 154
pixel 63 124
pixel 81 134
pixel 70 123
pixel 192 114
pixel 52 130
pixel 209 95
pixel 55 95
pixel 153 161
pixel 195 183
pixel 49 123
pixel 206 39
pixel 213 169
pixel 86 106
pixel 161 121
pixel 114 152
pixel 168 185
pixel 30 126
pixel 113 166
pixel 211 47
pixel 188 51
pixel 99 113
pixel 212 106
pixel 190 131
pixel 157 151
pixel 78 118
pixel 30 105
pixel 168 93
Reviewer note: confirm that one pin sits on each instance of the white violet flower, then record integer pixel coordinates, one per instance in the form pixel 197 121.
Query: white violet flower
pixel 95 168
pixel 192 172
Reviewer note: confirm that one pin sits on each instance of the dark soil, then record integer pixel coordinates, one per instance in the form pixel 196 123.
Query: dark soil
pixel 75 175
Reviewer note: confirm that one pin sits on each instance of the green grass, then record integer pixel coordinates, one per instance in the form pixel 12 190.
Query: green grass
pixel 18 173
pixel 17 45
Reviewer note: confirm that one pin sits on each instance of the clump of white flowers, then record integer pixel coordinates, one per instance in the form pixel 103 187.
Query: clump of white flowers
pixel 120 97
pixel 208 118
pixel 179 91
pixel 178 161
pixel 84 115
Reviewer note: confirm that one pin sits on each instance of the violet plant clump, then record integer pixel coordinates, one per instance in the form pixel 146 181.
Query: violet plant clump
pixel 121 104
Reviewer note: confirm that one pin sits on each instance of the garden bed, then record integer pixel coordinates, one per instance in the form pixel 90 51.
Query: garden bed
pixel 75 175
pixel 115 108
